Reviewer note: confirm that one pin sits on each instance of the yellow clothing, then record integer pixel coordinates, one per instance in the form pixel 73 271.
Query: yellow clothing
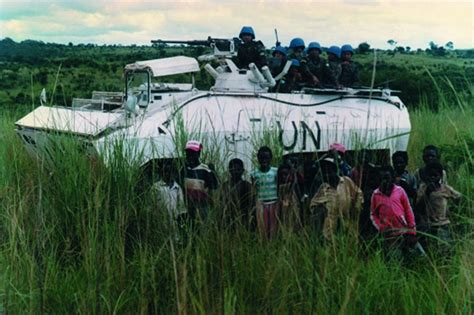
pixel 341 203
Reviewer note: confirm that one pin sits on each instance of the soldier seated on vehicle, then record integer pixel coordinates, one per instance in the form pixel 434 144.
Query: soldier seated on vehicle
pixel 293 80
pixel 278 60
pixel 318 66
pixel 250 51
pixel 349 72
pixel 297 47
pixel 334 54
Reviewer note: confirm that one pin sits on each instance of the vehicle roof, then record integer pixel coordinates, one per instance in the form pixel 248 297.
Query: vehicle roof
pixel 166 66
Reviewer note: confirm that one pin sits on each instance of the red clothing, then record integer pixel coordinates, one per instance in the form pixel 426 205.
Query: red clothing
pixel 392 215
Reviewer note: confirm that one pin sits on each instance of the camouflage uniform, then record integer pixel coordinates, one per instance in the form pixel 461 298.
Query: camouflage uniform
pixel 335 69
pixel 276 65
pixel 320 68
pixel 306 74
pixel 247 53
pixel 349 74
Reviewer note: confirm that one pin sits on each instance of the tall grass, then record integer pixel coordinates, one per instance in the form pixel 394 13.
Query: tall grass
pixel 82 238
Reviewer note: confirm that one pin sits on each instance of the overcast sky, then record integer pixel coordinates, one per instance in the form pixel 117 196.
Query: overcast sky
pixel 410 23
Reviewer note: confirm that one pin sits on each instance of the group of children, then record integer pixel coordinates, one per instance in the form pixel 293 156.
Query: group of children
pixel 331 196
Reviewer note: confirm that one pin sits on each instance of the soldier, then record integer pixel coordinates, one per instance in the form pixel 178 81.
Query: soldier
pixel 250 50
pixel 334 53
pixel 297 47
pixel 318 66
pixel 277 62
pixel 293 79
pixel 349 71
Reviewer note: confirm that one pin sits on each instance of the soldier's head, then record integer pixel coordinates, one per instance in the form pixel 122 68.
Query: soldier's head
pixel 193 152
pixel 431 154
pixel 334 53
pixel 400 161
pixel 295 67
pixel 347 52
pixel 264 157
pixel 279 52
pixel 314 49
pixel 297 46
pixel 236 169
pixel 247 34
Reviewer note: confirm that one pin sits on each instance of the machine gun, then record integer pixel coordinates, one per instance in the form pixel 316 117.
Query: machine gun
pixel 223 48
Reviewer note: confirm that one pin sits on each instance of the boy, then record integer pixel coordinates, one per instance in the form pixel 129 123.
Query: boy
pixel 391 214
pixel 337 202
pixel 264 179
pixel 290 207
pixel 432 203
pixel 237 196
pixel 430 154
pixel 339 151
pixel 170 195
pixel 402 177
pixel 198 180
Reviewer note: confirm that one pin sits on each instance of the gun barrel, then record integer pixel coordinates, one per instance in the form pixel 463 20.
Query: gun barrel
pixel 186 42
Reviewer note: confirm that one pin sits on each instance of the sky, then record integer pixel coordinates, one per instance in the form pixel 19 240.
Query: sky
pixel 337 22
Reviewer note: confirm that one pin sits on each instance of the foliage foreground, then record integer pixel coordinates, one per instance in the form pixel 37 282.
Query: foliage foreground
pixel 87 239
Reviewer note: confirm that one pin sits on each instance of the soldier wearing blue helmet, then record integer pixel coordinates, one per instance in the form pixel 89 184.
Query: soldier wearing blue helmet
pixel 293 80
pixel 318 66
pixel 297 47
pixel 334 53
pixel 250 50
pixel 349 70
pixel 278 60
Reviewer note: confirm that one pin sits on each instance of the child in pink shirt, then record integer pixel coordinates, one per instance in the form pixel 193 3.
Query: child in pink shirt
pixel 391 214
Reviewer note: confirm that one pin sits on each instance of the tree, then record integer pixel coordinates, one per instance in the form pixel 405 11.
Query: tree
pixel 408 49
pixel 400 49
pixel 363 48
pixel 392 42
pixel 449 45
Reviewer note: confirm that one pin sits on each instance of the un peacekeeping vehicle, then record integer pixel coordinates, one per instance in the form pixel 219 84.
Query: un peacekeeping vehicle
pixel 151 119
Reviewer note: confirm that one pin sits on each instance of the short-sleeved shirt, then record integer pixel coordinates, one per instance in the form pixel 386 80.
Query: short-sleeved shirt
pixel 266 184
pixel 197 181
pixel 436 204
pixel 170 197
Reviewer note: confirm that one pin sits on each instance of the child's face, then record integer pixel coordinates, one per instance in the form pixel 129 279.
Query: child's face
pixel 236 171
pixel 167 173
pixel 399 164
pixel 284 176
pixel 264 159
pixel 386 180
pixel 330 175
pixel 430 156
pixel 434 176
pixel 192 157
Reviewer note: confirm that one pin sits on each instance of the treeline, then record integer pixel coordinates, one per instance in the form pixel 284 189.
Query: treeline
pixel 76 70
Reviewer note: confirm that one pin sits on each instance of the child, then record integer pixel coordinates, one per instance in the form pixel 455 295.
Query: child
pixel 290 207
pixel 198 180
pixel 391 214
pixel 170 195
pixel 237 196
pixel 339 150
pixel 336 203
pixel 402 177
pixel 264 179
pixel 432 202
pixel 430 154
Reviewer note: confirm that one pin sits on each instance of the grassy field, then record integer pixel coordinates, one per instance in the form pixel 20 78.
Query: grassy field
pixel 86 239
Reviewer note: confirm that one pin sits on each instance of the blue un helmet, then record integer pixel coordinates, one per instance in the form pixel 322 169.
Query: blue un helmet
pixel 297 42
pixel 281 50
pixel 247 30
pixel 334 50
pixel 314 45
pixel 347 48
pixel 295 63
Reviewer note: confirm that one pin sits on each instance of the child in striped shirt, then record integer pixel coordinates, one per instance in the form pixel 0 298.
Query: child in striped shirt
pixel 264 179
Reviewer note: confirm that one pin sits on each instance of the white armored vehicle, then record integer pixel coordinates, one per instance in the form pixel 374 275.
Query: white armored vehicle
pixel 152 119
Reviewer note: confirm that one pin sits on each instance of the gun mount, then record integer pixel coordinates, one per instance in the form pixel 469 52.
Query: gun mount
pixel 223 48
